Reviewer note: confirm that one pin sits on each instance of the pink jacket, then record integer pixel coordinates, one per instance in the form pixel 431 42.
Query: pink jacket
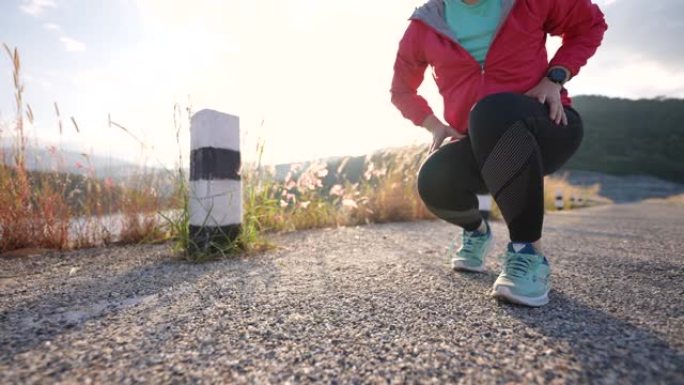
pixel 516 61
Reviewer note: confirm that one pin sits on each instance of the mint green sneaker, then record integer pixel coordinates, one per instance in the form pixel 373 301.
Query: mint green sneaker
pixel 474 248
pixel 525 277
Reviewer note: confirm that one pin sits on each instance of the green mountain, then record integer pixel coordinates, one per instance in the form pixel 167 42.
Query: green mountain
pixel 41 159
pixel 627 137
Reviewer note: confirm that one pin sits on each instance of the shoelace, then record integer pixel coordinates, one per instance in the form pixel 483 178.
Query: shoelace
pixel 469 242
pixel 517 265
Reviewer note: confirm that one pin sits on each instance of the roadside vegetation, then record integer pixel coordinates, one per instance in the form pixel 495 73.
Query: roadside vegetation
pixel 61 210
pixel 676 200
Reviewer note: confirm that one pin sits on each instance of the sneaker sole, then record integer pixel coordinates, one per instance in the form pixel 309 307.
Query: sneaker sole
pixel 502 292
pixel 460 266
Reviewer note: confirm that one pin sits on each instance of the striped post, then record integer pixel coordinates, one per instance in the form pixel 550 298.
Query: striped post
pixel 215 186
pixel 485 205
pixel 559 200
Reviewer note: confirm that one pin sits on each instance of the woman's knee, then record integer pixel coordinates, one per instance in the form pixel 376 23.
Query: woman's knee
pixel 428 181
pixel 439 176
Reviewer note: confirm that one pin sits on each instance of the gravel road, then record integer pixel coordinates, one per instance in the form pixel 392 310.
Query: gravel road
pixel 372 304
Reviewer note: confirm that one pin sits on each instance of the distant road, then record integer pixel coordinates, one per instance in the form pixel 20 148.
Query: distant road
pixel 626 188
pixel 356 305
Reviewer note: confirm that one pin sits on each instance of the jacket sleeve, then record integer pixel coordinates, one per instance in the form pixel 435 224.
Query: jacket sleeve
pixel 409 71
pixel 581 24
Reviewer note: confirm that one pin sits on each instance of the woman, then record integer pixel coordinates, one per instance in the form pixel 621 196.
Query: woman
pixel 507 113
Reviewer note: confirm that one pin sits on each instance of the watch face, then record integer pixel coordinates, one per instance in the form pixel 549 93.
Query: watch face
pixel 557 75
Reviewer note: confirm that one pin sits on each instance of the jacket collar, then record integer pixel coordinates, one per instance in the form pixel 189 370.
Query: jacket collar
pixel 432 14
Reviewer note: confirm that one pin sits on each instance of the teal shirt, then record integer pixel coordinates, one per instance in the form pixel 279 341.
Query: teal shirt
pixel 474 25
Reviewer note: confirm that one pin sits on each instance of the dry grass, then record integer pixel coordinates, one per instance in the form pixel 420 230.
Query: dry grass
pixel 573 196
pixel 29 216
pixel 390 186
pixel 676 200
pixel 59 211
pixel 386 193
pixel 139 208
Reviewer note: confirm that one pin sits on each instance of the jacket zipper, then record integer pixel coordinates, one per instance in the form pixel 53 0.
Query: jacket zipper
pixel 497 33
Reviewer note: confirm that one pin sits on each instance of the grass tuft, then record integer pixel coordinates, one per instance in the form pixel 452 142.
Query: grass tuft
pixel 675 200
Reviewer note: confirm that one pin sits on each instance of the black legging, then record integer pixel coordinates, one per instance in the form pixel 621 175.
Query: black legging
pixel 512 144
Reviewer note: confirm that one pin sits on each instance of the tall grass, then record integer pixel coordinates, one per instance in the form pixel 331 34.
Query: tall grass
pixel 387 192
pixel 31 214
pixel 60 210
pixel 675 200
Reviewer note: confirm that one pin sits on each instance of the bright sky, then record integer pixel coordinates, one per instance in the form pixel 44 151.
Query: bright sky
pixel 316 73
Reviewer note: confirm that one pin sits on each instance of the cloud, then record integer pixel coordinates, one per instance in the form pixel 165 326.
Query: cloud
pixel 72 45
pixel 52 27
pixel 639 56
pixel 31 79
pixel 647 79
pixel 36 7
pixel 648 32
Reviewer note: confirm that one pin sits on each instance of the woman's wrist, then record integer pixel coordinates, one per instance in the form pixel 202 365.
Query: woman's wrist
pixel 559 74
pixel 431 123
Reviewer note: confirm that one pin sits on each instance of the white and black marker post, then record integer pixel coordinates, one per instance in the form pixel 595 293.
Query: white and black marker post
pixel 559 200
pixel 215 185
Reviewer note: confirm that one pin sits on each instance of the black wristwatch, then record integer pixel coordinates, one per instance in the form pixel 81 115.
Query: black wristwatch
pixel 558 76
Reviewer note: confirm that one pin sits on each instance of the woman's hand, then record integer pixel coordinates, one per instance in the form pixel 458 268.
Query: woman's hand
pixel 440 131
pixel 549 92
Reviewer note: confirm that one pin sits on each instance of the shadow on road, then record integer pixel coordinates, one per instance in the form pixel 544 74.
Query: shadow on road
pixel 602 344
pixel 64 307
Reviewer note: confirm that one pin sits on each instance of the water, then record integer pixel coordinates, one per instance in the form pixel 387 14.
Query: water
pixel 110 227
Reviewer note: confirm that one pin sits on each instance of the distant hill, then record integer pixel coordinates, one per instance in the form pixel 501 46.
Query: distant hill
pixel 352 170
pixel 73 162
pixel 75 167
pixel 621 137
pixel 642 141
pixel 628 137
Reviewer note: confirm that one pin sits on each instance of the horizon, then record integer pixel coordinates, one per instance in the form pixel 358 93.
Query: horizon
pixel 136 60
pixel 6 142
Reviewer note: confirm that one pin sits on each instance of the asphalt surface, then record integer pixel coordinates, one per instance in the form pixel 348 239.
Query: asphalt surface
pixel 372 304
